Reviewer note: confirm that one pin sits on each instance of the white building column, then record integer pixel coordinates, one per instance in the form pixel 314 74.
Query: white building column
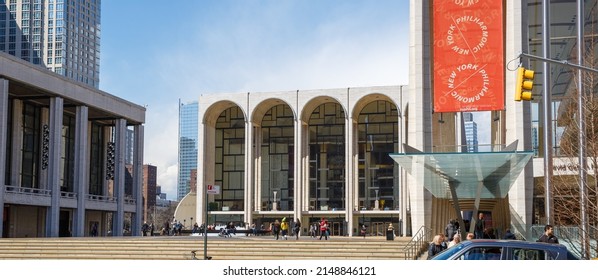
pixel 54 152
pixel 3 134
pixel 420 106
pixel 81 172
pixel 119 176
pixel 518 115
pixel 249 150
pixel 349 167
pixel 138 179
pixel 297 177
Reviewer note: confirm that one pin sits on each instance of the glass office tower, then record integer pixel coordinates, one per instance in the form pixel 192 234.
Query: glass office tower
pixel 187 146
pixel 61 35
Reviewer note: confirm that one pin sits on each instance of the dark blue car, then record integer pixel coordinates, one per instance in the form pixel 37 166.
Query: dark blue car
pixel 492 249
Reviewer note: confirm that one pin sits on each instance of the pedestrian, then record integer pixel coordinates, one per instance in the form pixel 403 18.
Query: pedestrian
pixel 152 228
pixel 313 229
pixel 470 236
pixel 297 229
pixel 479 227
pixel 94 230
pixel 276 228
pixel 284 227
pixel 323 228
pixel 548 236
pixel 456 240
pixel 166 228
pixel 144 228
pixel 450 230
pixel 363 230
pixel 436 246
pixel 509 235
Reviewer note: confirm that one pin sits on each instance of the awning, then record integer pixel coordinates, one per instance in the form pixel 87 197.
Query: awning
pixel 490 173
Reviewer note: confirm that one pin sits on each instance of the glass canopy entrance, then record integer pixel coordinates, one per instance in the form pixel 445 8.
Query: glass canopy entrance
pixel 458 176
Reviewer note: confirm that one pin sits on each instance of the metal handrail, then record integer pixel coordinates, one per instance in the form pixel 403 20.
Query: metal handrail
pixel 570 236
pixel 418 243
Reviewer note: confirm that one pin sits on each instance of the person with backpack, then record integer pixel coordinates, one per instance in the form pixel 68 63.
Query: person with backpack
pixel 284 227
pixel 450 230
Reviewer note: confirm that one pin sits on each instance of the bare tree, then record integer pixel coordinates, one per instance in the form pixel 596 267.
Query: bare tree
pixel 566 183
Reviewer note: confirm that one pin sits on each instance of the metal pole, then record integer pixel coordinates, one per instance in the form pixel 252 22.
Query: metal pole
pixel 585 244
pixel 205 230
pixel 547 106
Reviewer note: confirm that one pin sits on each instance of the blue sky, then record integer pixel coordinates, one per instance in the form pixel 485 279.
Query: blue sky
pixel 154 53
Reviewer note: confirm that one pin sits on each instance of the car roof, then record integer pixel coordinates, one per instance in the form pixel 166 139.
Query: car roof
pixel 512 243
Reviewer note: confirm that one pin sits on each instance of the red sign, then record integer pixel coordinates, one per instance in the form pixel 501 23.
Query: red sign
pixel 468 55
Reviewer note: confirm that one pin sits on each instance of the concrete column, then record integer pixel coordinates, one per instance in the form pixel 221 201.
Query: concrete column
pixel 119 176
pixel 81 172
pixel 420 108
pixel 297 179
pixel 518 114
pixel 3 136
pixel 55 126
pixel 297 160
pixel 257 163
pixel 248 209
pixel 138 179
pixel 349 168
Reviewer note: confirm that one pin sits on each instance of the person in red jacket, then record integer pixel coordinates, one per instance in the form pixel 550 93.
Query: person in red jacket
pixel 323 228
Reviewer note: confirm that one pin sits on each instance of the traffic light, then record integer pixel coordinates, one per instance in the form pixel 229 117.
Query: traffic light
pixel 525 82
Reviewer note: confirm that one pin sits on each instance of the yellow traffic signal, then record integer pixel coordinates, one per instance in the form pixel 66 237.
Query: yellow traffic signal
pixel 525 82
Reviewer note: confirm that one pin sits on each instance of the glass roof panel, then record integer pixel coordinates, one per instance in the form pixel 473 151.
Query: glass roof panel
pixel 494 173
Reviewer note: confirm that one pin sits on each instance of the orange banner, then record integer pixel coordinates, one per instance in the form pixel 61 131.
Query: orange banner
pixel 468 55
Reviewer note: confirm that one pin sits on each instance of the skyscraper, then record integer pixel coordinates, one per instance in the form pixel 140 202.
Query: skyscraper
pixel 471 133
pixel 187 146
pixel 60 35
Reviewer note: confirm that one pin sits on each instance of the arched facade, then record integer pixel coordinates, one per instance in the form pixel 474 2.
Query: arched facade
pixel 302 155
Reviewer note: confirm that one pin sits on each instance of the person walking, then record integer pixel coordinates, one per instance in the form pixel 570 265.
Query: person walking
pixel 548 236
pixel 297 229
pixel 312 230
pixel 324 228
pixel 284 227
pixel 276 228
pixel 144 228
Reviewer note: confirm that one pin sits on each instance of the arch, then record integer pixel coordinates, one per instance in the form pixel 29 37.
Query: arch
pixel 212 113
pixel 263 107
pixel 313 103
pixel 367 99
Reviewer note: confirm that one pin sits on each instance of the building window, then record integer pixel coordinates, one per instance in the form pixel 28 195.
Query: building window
pixel 327 157
pixel 67 157
pixel 230 160
pixel 277 155
pixel 377 137
pixel 31 146
pixel 96 158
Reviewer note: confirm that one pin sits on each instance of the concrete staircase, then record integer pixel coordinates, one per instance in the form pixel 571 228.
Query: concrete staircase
pixel 180 247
